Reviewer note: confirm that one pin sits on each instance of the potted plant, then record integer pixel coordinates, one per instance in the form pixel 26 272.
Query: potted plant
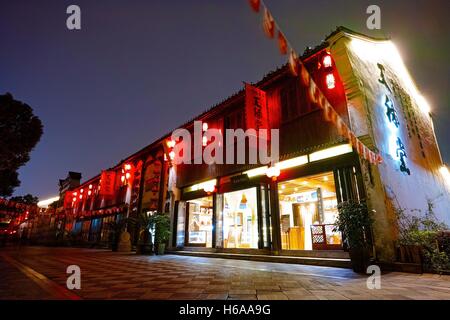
pixel 144 223
pixel 355 223
pixel 162 231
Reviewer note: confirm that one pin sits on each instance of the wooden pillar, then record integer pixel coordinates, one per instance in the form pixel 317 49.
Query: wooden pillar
pixel 213 223
pixel 275 218
pixel 173 242
pixel 260 220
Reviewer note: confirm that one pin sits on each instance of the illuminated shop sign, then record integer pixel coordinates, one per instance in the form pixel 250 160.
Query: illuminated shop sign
pixel 396 146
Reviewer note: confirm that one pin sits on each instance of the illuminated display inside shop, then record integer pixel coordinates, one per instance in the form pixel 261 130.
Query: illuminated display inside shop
pixel 200 221
pixel 240 221
pixel 308 210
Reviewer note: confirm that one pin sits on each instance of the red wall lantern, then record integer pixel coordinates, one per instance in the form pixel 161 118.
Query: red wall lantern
pixel 169 153
pixel 327 61
pixel 170 143
pixel 331 81
pixel 126 174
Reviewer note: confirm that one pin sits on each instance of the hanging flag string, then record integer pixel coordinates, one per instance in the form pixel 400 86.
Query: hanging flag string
pixel 297 68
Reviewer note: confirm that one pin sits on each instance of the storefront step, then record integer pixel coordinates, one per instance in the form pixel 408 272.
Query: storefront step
pixel 315 261
pixel 333 254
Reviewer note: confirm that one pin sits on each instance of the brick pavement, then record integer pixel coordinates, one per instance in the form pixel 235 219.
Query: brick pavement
pixel 108 275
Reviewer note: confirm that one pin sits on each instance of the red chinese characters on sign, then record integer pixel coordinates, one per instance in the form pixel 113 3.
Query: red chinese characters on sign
pixel 107 183
pixel 256 113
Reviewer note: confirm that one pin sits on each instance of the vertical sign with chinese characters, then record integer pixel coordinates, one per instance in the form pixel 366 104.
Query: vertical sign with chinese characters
pixel 107 183
pixel 152 180
pixel 393 124
pixel 256 113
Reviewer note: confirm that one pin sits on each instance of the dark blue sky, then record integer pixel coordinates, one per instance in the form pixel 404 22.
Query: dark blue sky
pixel 138 69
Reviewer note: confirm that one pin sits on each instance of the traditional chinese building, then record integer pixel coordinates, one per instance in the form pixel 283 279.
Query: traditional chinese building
pixel 16 219
pixel 242 209
pixel 136 184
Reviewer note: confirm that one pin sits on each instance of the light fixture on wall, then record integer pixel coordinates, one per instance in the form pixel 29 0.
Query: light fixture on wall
pixel 170 143
pixel 445 174
pixel 209 188
pixel 273 172
pixel 374 51
pixel 291 163
pixel 256 172
pixel 330 152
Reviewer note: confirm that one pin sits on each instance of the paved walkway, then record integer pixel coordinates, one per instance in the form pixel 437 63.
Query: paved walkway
pixel 40 273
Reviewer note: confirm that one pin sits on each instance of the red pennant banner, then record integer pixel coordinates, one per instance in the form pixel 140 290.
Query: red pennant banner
pixel 268 24
pixel 293 63
pixel 282 43
pixel 296 66
pixel 365 152
pixel 330 115
pixel 322 100
pixel 370 156
pixel 359 147
pixel 312 91
pixel 379 159
pixel 327 112
pixel 341 127
pixel 352 139
pixel 255 4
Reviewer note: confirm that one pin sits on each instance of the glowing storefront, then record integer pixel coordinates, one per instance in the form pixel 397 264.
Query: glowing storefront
pixel 290 208
pixel 250 211
pixel 366 82
pixel 228 219
pixel 308 210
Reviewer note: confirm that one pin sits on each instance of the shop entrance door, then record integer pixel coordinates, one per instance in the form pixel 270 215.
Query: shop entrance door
pixel 200 222
pixel 240 219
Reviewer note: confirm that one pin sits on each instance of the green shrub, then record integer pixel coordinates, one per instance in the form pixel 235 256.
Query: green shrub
pixel 424 231
pixel 355 223
pixel 162 227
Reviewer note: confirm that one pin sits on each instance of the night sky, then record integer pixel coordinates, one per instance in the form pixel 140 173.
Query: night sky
pixel 139 69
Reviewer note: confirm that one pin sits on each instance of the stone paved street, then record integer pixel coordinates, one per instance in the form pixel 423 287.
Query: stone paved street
pixel 40 273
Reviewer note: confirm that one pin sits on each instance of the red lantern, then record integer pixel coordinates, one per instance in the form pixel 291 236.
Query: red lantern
pixel 331 81
pixel 327 61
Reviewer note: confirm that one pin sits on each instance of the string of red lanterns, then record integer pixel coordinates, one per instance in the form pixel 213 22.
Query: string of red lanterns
pixel 297 68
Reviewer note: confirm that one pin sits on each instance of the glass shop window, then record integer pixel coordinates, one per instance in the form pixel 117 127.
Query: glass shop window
pixel 200 213
pixel 240 219
pixel 308 210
